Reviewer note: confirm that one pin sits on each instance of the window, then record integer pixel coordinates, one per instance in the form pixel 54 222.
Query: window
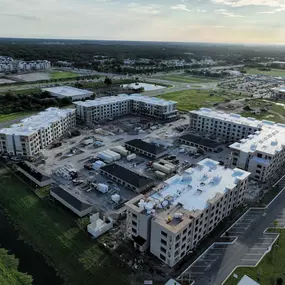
pixel 163 233
pixel 163 249
pixel 259 155
pixel 163 242
pixel 259 166
pixel 162 257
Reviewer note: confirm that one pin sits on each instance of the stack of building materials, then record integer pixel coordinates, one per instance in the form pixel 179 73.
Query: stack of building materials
pixel 103 188
pixel 115 155
pixel 121 150
pixel 99 226
pixel 131 157
pixel 67 172
pixel 98 164
pixel 164 166
pixel 160 174
pixel 116 198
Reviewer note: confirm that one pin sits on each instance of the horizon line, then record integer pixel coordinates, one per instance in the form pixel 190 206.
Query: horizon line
pixel 146 41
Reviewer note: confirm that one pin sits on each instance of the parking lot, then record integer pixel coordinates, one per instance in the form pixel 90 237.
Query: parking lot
pixel 247 244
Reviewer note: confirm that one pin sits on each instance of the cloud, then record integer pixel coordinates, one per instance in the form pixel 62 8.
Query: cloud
pixel 227 13
pixel 20 16
pixel 242 3
pixel 183 7
pixel 143 9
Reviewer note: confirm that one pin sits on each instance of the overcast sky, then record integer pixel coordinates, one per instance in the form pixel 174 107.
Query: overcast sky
pixel 243 21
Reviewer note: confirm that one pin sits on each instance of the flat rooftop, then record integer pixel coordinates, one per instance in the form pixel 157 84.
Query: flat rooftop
pixel 67 91
pixel 135 179
pixel 190 192
pixel 145 146
pixel 198 140
pixel 124 98
pixel 270 140
pixel 234 118
pixel 30 125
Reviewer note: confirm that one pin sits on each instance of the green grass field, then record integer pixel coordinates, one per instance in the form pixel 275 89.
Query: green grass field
pixel 275 113
pixel 13 116
pixel 272 72
pixel 195 99
pixel 9 274
pixel 186 78
pixel 53 231
pixel 271 267
pixel 54 74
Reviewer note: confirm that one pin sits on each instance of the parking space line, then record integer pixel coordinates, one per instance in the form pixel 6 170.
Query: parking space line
pixel 259 254
pixel 249 259
pixel 267 238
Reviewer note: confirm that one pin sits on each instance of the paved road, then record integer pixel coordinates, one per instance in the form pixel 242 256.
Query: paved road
pixel 251 244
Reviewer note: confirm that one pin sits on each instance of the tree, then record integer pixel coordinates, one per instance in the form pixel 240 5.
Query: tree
pixel 65 101
pixel 108 81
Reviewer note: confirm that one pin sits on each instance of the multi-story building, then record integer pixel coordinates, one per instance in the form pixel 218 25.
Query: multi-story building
pixel 230 127
pixel 178 214
pixel 36 132
pixel 259 145
pixel 262 153
pixel 115 106
pixel 21 66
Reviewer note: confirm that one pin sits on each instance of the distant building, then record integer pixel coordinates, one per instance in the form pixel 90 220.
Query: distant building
pixel 8 64
pixel 34 133
pixel 180 212
pixel 278 92
pixel 68 92
pixel 115 106
pixel 259 145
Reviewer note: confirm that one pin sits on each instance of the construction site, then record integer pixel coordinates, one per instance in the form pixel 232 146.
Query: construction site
pixel 95 170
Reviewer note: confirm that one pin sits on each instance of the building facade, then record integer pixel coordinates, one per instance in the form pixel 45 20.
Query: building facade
pixel 262 154
pixel 115 106
pixel 36 132
pixel 22 66
pixel 172 220
pixel 229 127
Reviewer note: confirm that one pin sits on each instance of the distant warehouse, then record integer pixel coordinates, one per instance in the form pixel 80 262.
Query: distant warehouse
pixel 145 148
pixel 127 178
pixel 68 92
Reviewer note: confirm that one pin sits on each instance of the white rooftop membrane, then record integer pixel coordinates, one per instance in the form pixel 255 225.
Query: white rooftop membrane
pixel 123 98
pixel 34 123
pixel 68 91
pixel 197 185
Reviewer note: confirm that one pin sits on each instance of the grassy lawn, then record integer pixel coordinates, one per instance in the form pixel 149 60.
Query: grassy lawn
pixel 62 74
pixel 9 274
pixel 195 99
pixel 271 267
pixel 186 78
pixel 275 113
pixel 272 72
pixel 13 116
pixel 53 231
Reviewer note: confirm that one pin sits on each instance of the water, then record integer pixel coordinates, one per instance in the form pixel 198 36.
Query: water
pixel 30 261
pixel 146 86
